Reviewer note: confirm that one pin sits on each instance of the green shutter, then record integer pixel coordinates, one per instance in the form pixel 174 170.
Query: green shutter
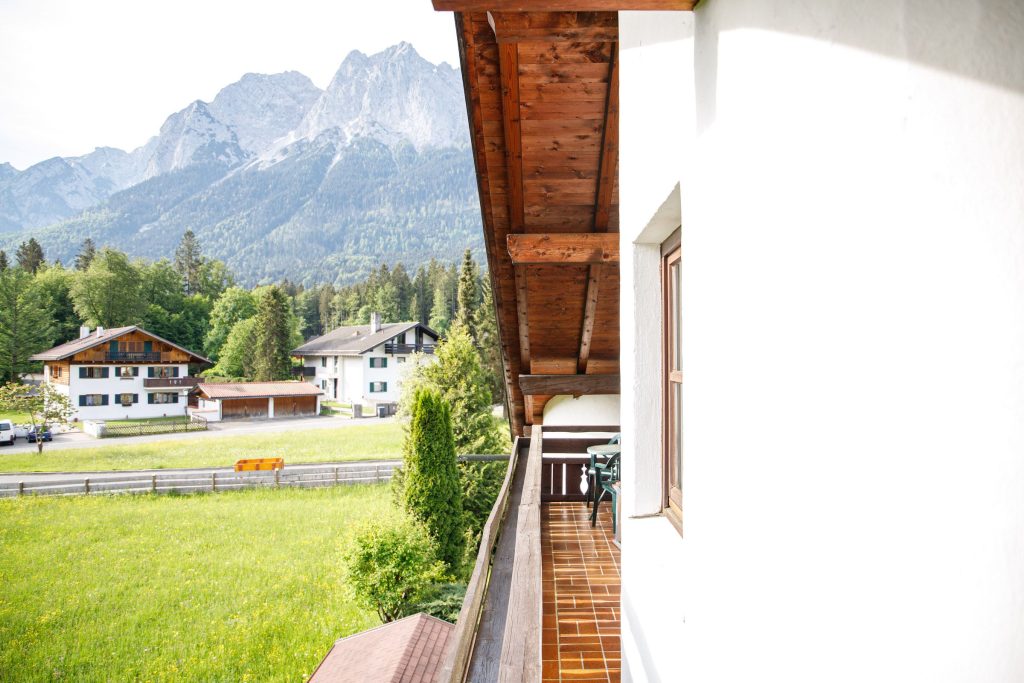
pixel 151 371
pixel 135 399
pixel 150 399
pixel 81 375
pixel 104 373
pixel 81 400
pixel 175 397
pixel 105 401
pixel 175 371
pixel 383 386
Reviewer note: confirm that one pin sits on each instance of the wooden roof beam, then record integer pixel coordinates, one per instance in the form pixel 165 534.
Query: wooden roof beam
pixel 575 385
pixel 570 248
pixel 540 27
pixel 563 5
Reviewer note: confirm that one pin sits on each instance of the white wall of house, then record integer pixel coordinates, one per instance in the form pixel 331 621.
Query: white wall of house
pixel 355 375
pixel 850 187
pixel 113 386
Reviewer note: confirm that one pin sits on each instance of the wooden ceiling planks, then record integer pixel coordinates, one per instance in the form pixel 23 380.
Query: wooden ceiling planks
pixel 541 89
pixel 562 5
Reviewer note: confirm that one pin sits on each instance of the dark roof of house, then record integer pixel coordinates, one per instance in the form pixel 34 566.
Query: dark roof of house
pixel 350 341
pixel 74 346
pixel 221 390
pixel 409 650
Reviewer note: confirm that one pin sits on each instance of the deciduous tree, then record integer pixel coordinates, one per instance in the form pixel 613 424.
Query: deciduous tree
pixel 26 326
pixel 46 406
pixel 108 293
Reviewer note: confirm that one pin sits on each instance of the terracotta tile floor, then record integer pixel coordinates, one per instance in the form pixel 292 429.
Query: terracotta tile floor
pixel 581 595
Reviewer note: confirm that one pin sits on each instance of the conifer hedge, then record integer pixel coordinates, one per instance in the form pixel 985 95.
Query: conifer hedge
pixel 432 491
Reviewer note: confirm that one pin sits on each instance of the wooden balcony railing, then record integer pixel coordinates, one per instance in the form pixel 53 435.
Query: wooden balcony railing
pixel 409 348
pixel 133 356
pixel 170 382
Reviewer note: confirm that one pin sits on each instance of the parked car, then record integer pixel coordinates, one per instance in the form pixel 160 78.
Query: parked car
pixel 35 433
pixel 21 431
pixel 6 432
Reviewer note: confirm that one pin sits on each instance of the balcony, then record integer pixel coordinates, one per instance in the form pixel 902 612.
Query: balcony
pixel 543 601
pixel 170 382
pixel 133 357
pixel 409 348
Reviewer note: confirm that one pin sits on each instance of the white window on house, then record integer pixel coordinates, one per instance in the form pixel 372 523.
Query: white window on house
pixel 163 397
pixel 164 371
pixel 89 400
pixel 93 373
pixel 127 399
pixel 126 372
pixel 401 359
pixel 377 362
pixel 323 384
pixel 56 371
pixel 378 387
pixel 323 361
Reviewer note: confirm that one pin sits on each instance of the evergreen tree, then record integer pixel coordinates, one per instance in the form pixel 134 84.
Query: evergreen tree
pixel 488 342
pixel 468 299
pixel 188 261
pixel 273 336
pixel 30 256
pixel 25 323
pixel 109 292
pixel 3 261
pixel 85 255
pixel 440 312
pixel 432 492
pixel 324 298
pixel 422 301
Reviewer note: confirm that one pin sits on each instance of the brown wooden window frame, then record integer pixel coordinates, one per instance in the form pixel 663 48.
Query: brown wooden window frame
pixel 672 379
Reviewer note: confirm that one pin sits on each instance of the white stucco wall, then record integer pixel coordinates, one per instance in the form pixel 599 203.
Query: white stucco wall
pixel 582 411
pixel 112 386
pixel 851 191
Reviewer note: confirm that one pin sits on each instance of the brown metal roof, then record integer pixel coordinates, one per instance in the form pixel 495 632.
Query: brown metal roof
pixel 355 339
pixel 229 390
pixel 74 346
pixel 405 651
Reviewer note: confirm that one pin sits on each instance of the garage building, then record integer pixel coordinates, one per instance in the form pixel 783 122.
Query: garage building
pixel 241 400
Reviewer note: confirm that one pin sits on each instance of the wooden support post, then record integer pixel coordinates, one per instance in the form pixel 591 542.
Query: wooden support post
pixel 154 483
pixel 277 478
pixel 87 485
pixel 21 488
pixel 335 476
pixel 213 482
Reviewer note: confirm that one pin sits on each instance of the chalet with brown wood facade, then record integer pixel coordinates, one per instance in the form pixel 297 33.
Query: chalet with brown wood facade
pixel 121 373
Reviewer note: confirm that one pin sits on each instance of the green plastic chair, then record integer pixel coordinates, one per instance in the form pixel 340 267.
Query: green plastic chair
pixel 608 477
pixel 592 471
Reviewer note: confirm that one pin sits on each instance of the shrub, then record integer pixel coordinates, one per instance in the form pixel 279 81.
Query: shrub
pixel 444 601
pixel 432 493
pixel 393 567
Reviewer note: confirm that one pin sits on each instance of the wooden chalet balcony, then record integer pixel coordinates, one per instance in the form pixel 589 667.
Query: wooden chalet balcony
pixel 543 601
pixel 133 357
pixel 409 348
pixel 170 382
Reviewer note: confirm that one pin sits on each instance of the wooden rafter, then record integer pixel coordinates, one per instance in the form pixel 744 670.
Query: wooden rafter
pixel 542 27
pixel 602 205
pixel 575 385
pixel 562 5
pixel 564 248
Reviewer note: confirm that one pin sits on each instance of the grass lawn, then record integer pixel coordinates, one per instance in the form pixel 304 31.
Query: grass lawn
pixel 16 418
pixel 237 586
pixel 353 442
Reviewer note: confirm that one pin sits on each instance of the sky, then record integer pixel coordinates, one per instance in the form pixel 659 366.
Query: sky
pixel 76 75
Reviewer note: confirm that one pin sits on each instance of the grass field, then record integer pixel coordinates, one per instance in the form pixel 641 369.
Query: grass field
pixel 239 586
pixel 353 442
pixel 16 418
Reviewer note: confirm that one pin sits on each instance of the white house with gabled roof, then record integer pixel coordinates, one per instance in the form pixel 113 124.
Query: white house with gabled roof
pixel 364 363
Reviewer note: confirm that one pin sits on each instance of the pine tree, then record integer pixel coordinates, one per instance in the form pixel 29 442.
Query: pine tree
pixel 432 492
pixel 468 297
pixel 86 255
pixel 488 342
pixel 3 261
pixel 30 256
pixel 188 261
pixel 272 352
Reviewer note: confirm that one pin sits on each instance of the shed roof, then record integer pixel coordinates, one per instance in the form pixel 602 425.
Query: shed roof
pixel 218 390
pixel 355 339
pixel 409 650
pixel 74 346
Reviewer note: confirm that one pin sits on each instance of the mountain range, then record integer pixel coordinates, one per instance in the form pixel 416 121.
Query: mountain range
pixel 276 177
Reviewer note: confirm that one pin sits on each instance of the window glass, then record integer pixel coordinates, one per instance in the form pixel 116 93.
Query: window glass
pixel 672 443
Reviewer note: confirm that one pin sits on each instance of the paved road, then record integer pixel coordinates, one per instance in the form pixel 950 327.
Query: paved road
pixel 44 477
pixel 231 428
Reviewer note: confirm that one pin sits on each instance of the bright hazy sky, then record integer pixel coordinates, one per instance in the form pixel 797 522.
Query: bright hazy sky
pixel 80 74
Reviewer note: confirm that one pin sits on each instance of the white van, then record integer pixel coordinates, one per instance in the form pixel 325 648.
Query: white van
pixel 6 432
